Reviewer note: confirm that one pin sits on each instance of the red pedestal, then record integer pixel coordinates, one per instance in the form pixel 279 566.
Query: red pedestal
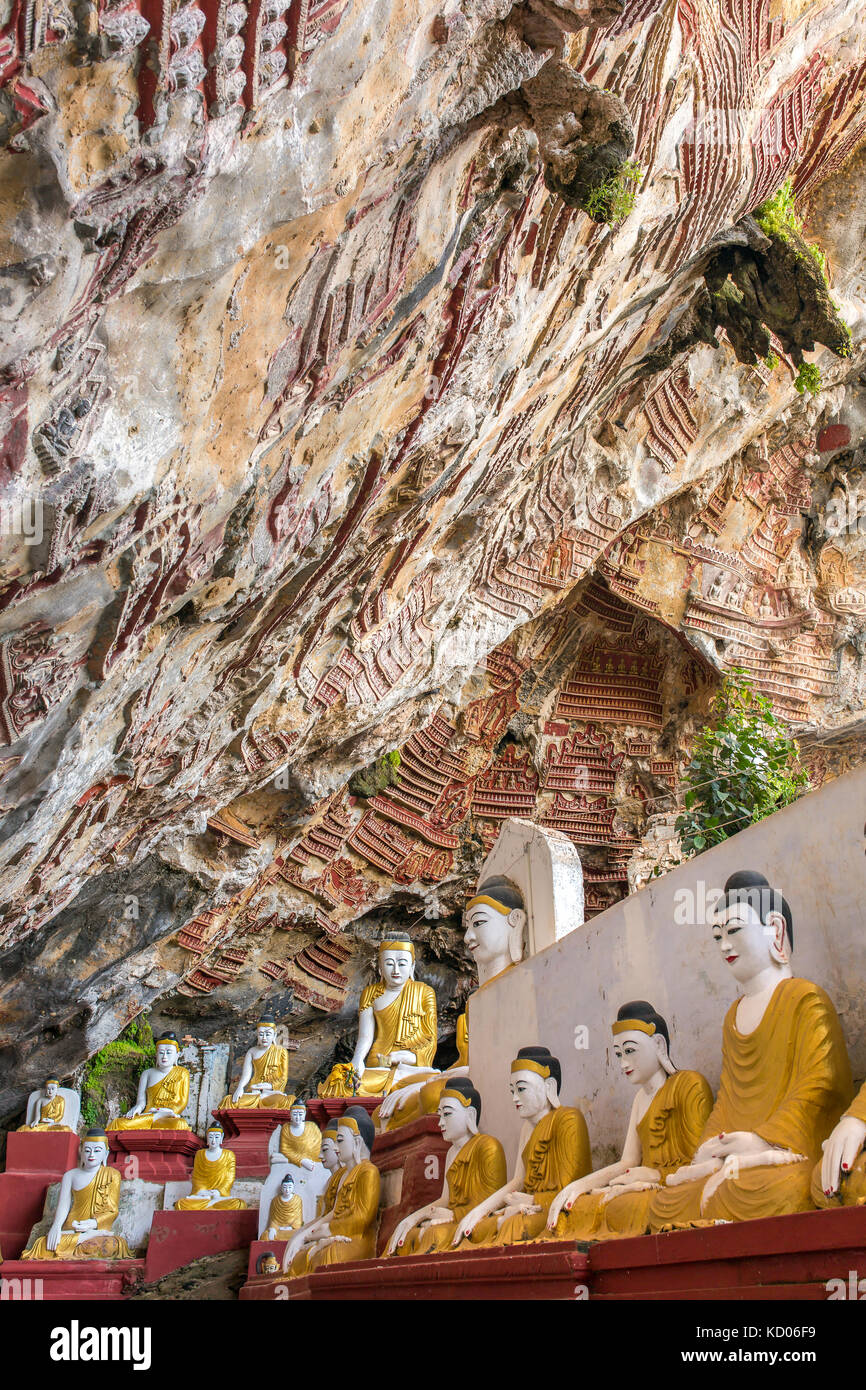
pixel 247 1135
pixel 515 1273
pixel 154 1155
pixel 94 1281
pixel 322 1110
pixel 412 1163
pixel 42 1152
pixel 259 1248
pixel 179 1237
pixel 22 1198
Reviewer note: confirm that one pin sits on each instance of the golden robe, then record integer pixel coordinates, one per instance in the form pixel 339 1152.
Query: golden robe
pixel 48 1110
pixel 326 1201
pixel 272 1067
pixel 852 1185
pixel 285 1215
pixel 788 1081
pixel 426 1101
pixel 294 1147
pixel 556 1153
pixel 171 1092
pixel 669 1132
pixel 478 1170
pixel 356 1215
pixel 208 1174
pixel 407 1024
pixel 98 1201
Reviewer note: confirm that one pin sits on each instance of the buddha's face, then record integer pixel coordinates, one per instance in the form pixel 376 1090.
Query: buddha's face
pixel 746 943
pixel 528 1094
pixel 638 1056
pixel 166 1056
pixel 347 1146
pixel 453 1118
pixel 265 1035
pixel 486 934
pixel 94 1152
pixel 287 1189
pixel 269 1265
pixel 213 1139
pixel 396 967
pixel 51 1089
pixel 329 1155
pixel 297 1115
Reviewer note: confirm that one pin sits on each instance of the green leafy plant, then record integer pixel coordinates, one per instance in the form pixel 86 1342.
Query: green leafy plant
pixel 377 776
pixel 808 379
pixel 772 360
pixel 778 217
pixel 744 766
pixel 612 200
pixel 120 1062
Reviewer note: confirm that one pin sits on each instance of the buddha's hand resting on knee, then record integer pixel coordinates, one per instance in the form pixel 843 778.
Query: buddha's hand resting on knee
pixel 840 1152
pixel 565 1200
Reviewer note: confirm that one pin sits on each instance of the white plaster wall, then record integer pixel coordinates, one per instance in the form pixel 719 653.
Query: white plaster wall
pixel 813 851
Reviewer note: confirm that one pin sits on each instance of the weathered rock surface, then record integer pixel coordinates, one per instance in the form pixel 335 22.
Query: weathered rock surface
pixel 332 425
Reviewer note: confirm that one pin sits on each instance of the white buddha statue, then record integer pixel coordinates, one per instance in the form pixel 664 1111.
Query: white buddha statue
pixel 87 1207
pixel 163 1091
pixel 264 1073
pixel 347 1230
pixel 213 1176
pixel 53 1110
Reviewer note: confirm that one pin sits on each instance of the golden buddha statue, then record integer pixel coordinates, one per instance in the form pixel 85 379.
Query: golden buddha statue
pixel 474 1170
pixel 87 1208
pixel 213 1175
pixel 264 1073
pixel 46 1111
pixel 163 1091
pixel 286 1212
pixel 348 1230
pixel 554 1151
pixel 785 1076
pixel 396 1029
pixel 667 1118
pixel 839 1178
pixel 300 1139
pixel 495 923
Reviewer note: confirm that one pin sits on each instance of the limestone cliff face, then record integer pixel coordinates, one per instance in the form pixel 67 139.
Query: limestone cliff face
pixel 335 424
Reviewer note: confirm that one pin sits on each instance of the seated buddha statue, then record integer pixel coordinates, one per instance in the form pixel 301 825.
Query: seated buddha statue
pixel 300 1139
pixel 396 1029
pixel 785 1076
pixel 668 1114
pixel 474 1169
pixel 348 1230
pixel 46 1111
pixel 87 1208
pixel 495 927
pixel 213 1175
pixel 163 1091
pixel 264 1073
pixel 839 1177
pixel 554 1151
pixel 286 1214
pixel 330 1159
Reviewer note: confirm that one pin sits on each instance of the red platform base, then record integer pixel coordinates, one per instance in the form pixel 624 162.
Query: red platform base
pixel 322 1110
pixel 42 1152
pixel 247 1135
pixel 154 1155
pixel 51 1281
pixel 412 1163
pixel 179 1237
pixel 259 1248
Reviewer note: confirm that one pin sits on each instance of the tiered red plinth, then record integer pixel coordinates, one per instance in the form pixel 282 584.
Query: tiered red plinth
pixel 414 1156
pixel 33 1163
pixel 322 1110
pixel 261 1247
pixel 247 1135
pixel 94 1281
pixel 154 1155
pixel 775 1258
pixel 179 1237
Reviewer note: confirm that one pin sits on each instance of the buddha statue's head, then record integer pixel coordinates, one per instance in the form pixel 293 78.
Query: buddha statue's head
pixel 641 1042
pixel 266 1030
pixel 495 925
pixel 536 1077
pixel 51 1087
pixel 94 1149
pixel 459 1110
pixel 213 1138
pixel 355 1134
pixel 287 1187
pixel 396 961
pixel 753 927
pixel 328 1155
pixel 167 1052
pixel 268 1263
pixel 298 1113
